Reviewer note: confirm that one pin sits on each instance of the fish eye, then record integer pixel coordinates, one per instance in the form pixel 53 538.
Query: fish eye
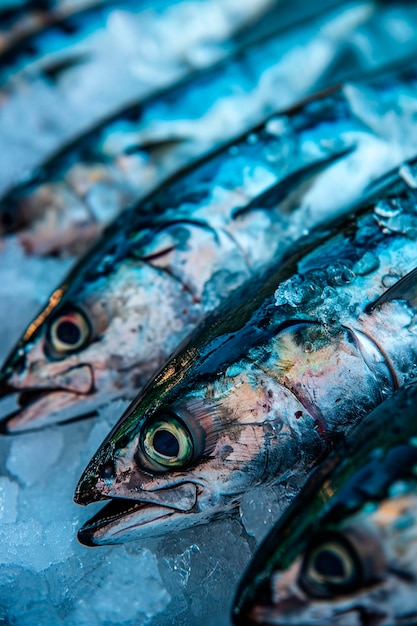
pixel 331 566
pixel 68 332
pixel 166 442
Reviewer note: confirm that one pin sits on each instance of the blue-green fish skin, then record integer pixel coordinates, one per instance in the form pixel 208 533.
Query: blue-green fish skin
pixel 191 243
pixel 87 182
pixel 70 69
pixel 358 510
pixel 289 364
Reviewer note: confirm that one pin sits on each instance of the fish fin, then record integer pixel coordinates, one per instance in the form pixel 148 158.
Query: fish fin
pixel 294 184
pixel 158 143
pixel 404 289
pixel 53 69
pixel 395 177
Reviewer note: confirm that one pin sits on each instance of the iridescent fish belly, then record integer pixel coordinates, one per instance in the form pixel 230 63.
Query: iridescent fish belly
pixel 67 199
pixel 161 267
pixel 345 552
pixel 261 390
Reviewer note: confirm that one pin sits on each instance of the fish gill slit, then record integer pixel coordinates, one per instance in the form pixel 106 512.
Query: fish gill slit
pixel 240 248
pixel 377 361
pixel 170 273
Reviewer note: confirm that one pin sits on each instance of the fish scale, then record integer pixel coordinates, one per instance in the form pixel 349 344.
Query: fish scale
pixel 346 546
pixel 182 250
pixel 86 182
pixel 66 82
pixel 308 350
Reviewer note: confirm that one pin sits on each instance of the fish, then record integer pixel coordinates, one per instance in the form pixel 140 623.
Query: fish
pixel 187 246
pixel 64 203
pixel 22 22
pixel 262 389
pixel 60 207
pixel 61 79
pixel 344 552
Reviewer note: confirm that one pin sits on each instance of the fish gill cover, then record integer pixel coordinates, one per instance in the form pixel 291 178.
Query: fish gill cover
pixel 46 577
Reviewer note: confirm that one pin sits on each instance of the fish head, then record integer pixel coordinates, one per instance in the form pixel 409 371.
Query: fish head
pixel 209 421
pixel 345 551
pixel 171 463
pixel 101 335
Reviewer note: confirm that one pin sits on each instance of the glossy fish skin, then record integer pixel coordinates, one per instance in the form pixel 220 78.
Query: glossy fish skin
pixel 65 82
pixel 26 20
pixel 262 389
pixel 68 199
pixel 358 511
pixel 206 240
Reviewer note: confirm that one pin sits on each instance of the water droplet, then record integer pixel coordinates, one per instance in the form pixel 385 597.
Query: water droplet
pixel 385 209
pixel 398 488
pixel 340 274
pixel 388 280
pixel 367 264
pixel 252 138
pixel 277 126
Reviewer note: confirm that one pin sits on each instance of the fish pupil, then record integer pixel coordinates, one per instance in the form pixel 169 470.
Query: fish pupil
pixel 327 563
pixel 166 443
pixel 68 333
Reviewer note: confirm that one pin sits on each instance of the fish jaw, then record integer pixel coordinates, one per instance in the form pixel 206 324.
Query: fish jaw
pixel 36 401
pixel 65 393
pixel 123 520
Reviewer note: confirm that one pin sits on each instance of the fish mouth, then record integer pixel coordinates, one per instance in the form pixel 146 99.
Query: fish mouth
pixel 25 410
pixel 124 519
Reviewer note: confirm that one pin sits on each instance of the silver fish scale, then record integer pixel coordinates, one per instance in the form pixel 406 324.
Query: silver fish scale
pixel 272 379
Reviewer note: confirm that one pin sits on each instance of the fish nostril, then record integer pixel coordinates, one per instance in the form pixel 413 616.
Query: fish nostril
pixel 15 364
pixel 19 362
pixel 108 470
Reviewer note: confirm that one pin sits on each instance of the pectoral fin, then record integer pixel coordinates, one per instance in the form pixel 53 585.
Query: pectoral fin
pixel 404 289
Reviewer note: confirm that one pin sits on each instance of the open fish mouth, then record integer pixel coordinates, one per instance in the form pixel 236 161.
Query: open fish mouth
pixel 120 518
pixel 19 407
pixel 124 519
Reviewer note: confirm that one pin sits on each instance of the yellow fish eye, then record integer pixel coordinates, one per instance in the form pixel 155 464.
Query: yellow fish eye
pixel 167 443
pixel 68 332
pixel 329 568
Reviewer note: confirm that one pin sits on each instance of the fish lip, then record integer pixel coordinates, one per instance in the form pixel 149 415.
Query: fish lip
pixel 157 504
pixel 26 398
pixel 114 510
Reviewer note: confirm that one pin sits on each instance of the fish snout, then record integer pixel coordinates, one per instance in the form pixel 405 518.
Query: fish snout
pixel 12 367
pixel 96 479
pixel 29 396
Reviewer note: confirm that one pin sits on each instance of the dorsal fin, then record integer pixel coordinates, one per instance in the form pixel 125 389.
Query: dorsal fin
pixel 404 289
pixel 293 183
pixel 395 176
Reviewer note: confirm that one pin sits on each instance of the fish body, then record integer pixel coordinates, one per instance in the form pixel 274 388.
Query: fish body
pixel 161 268
pixel 345 550
pixel 69 197
pixel 62 78
pixel 261 390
